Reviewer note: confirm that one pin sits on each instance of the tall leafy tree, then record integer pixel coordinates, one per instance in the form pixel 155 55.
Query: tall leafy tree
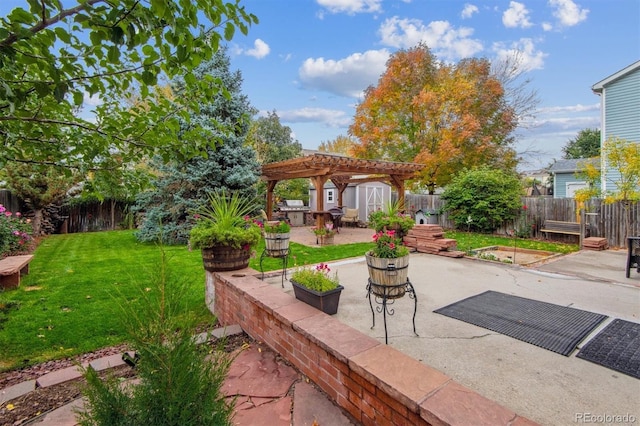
pixel 180 186
pixel 340 145
pixel 622 160
pixel 274 142
pixel 271 140
pixel 55 54
pixel 445 116
pixel 585 145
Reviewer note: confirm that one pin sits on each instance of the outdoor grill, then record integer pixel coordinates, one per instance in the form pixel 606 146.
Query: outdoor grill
pixel 295 211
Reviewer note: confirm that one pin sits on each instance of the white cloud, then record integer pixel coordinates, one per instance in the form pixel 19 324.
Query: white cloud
pixel 571 108
pixel 330 117
pixel 443 39
pixel 546 26
pixel 260 49
pixel 524 49
pixel 91 100
pixel 517 16
pixel 468 11
pixel 345 77
pixel 568 13
pixel 351 7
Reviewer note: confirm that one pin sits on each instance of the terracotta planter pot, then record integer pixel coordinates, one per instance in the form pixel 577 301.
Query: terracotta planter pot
pixel 225 258
pixel 277 244
pixel 327 301
pixel 387 276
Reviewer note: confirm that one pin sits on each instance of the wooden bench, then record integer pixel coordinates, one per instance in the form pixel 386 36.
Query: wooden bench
pixel 559 227
pixel 11 268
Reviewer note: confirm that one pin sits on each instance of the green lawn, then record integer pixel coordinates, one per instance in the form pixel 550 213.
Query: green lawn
pixel 71 302
pixel 468 241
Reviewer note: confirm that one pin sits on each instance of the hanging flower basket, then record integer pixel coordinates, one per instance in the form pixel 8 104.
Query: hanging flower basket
pixel 225 258
pixel 388 275
pixel 277 244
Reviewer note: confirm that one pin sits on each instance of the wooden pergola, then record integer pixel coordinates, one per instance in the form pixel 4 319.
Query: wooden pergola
pixel 341 170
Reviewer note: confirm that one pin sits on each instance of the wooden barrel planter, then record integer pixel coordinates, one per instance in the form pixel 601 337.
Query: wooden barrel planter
pixel 388 276
pixel 326 240
pixel 277 245
pixel 225 258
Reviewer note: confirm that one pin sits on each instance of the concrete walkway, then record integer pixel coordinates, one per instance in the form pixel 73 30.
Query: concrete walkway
pixel 539 384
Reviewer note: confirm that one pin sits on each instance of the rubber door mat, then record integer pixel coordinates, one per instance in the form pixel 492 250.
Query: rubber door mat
pixel 556 328
pixel 616 347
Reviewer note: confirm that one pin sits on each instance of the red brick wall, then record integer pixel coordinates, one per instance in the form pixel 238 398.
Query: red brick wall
pixel 353 369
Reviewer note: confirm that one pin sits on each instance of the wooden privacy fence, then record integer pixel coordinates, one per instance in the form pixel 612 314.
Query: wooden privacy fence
pixel 604 220
pixel 11 202
pixel 94 217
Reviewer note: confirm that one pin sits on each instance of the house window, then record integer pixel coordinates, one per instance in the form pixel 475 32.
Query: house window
pixel 330 196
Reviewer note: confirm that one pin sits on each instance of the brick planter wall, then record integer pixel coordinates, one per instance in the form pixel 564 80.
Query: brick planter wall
pixel 375 383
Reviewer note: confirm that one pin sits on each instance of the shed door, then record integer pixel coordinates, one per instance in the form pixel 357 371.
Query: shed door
pixel 572 187
pixel 374 199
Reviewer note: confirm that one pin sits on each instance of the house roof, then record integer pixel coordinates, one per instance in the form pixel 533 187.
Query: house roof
pixel 573 165
pixel 599 86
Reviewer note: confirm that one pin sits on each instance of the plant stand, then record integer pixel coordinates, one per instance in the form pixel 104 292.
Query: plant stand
pixel 281 254
pixel 385 295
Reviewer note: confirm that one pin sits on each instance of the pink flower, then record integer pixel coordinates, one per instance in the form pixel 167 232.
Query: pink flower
pixel 18 214
pixel 7 214
pixel 2 208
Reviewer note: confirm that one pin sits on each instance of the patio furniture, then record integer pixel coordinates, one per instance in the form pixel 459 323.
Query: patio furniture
pixel 351 216
pixel 633 256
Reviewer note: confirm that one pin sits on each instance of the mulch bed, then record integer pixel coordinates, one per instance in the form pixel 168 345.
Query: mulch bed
pixel 43 400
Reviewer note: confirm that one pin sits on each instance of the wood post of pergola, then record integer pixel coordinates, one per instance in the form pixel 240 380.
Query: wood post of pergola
pixel 341 188
pixel 270 186
pixel 318 182
pixel 398 183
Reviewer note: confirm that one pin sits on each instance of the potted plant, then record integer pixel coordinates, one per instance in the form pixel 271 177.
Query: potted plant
pixel 388 264
pixel 324 235
pixel 276 238
pixel 316 287
pixel 224 232
pixel 391 218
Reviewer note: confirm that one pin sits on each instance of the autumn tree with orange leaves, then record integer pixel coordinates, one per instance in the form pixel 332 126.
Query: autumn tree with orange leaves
pixel 446 116
pixel 340 145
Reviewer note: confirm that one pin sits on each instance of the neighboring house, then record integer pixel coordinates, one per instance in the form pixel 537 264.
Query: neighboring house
pixel 566 180
pixel 366 197
pixel 537 182
pixel 620 113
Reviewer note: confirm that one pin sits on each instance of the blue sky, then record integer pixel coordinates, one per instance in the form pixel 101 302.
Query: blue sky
pixel 310 60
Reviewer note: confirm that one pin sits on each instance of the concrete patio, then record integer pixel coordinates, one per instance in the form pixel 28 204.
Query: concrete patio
pixel 534 382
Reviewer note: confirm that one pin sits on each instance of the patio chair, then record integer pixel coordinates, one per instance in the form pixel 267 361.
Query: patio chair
pixel 351 217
